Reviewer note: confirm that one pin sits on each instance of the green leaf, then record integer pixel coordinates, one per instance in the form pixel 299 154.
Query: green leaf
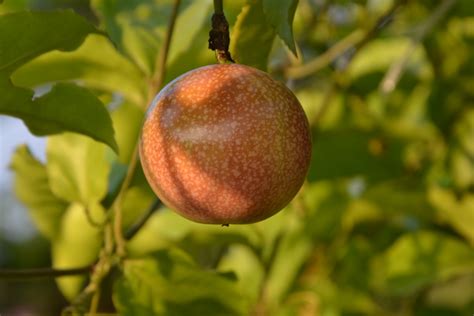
pixel 127 120
pixel 248 268
pixel 458 212
pixel 8 6
pixel 136 201
pixel 350 152
pixel 400 197
pixel 77 168
pixel 280 16
pixel 204 242
pixel 327 205
pixel 445 104
pixel 96 63
pixel 455 293
pixel 293 251
pixel 252 37
pixel 197 55
pixel 418 259
pixel 380 54
pixel 77 245
pixel 169 283
pixel 66 107
pixel 191 19
pixel 138 27
pixel 35 33
pixel 31 187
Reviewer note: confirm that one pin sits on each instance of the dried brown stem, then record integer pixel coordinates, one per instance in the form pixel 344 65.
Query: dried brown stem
pixel 219 39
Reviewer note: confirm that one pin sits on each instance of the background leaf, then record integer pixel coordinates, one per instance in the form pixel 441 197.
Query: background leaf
pixel 32 188
pixel 250 29
pixel 427 257
pixel 350 152
pixel 457 212
pixel 77 168
pixel 169 283
pixel 76 233
pixel 280 15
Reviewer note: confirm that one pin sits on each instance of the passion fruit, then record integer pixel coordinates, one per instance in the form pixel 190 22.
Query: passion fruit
pixel 225 144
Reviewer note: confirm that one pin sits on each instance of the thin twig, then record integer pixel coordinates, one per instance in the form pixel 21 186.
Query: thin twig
pixel 118 204
pixel 155 84
pixel 395 72
pixel 42 272
pixel 160 65
pixel 355 41
pixel 101 270
pixel 94 303
pixel 326 58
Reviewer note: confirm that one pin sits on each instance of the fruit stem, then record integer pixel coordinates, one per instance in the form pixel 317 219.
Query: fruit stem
pixel 218 7
pixel 219 38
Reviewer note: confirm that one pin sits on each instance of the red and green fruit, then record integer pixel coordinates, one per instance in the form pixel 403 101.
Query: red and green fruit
pixel 225 144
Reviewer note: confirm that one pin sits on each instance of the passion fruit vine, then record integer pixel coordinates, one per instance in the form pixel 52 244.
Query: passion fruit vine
pixel 225 144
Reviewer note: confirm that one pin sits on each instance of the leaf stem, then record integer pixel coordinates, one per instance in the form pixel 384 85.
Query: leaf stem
pixel 42 272
pixel 394 73
pixel 141 222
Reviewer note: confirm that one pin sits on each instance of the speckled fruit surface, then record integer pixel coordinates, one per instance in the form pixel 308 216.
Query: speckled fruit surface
pixel 225 144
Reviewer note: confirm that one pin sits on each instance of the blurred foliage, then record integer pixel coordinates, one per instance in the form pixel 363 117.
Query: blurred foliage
pixel 384 224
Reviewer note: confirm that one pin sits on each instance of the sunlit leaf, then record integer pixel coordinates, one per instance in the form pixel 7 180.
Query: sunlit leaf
pixel 380 54
pixel 293 250
pixel 77 168
pixel 66 107
pixel 32 188
pixel 77 245
pixel 249 270
pixel 280 15
pixel 35 33
pixel 418 259
pixel 127 120
pixel 96 63
pixel 204 242
pixel 191 20
pixel 252 38
pixel 455 293
pixel 457 212
pixel 138 27
pixel 169 283
pixel 137 200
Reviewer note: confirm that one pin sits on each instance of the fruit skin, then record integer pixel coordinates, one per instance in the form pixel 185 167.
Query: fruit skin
pixel 225 144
